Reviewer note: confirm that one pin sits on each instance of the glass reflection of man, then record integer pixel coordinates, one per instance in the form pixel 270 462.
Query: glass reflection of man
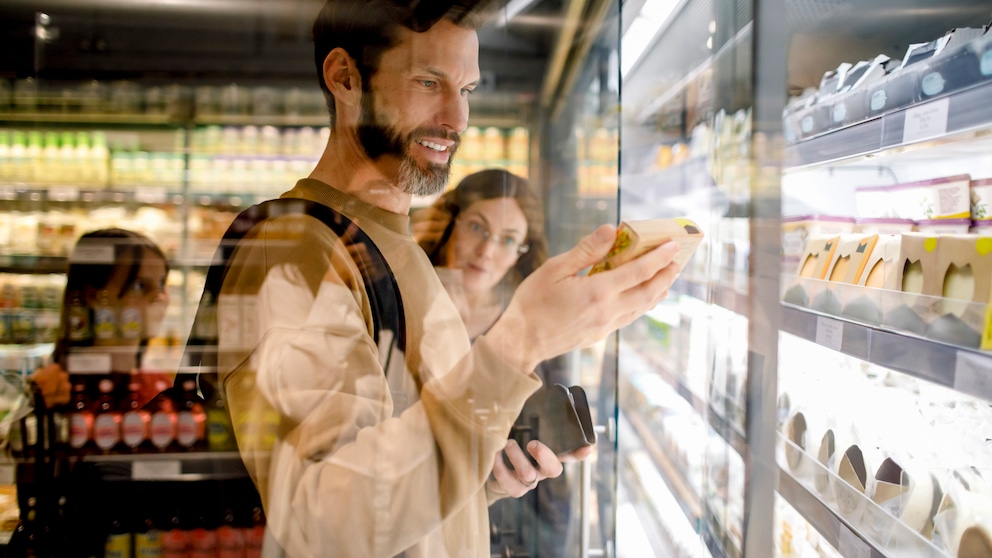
pixel 353 454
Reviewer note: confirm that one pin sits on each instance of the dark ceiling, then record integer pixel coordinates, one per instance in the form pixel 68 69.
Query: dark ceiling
pixel 223 41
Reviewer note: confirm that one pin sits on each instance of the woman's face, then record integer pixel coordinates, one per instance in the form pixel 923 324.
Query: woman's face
pixel 147 291
pixel 486 242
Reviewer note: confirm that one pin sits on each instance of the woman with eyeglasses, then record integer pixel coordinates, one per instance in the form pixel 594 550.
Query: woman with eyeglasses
pixel 125 273
pixel 484 237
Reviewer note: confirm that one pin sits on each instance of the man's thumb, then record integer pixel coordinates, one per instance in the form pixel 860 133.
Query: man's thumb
pixel 594 247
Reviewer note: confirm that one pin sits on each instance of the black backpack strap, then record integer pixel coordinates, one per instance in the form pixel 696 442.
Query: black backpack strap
pixel 200 358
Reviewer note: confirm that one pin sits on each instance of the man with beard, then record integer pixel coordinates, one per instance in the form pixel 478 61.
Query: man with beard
pixel 358 449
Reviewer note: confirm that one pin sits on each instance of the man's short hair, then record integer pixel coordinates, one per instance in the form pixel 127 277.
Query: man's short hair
pixel 366 29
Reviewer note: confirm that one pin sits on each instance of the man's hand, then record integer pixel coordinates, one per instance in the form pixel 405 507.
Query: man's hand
pixel 53 383
pixel 556 310
pixel 524 476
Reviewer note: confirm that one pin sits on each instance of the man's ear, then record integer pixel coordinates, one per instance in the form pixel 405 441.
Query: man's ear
pixel 342 77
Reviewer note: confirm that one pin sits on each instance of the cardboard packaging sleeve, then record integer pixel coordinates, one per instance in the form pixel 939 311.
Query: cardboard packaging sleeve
pixel 637 237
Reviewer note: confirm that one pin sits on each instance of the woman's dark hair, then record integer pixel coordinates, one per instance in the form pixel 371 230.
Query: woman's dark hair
pixel 495 184
pixel 367 28
pixel 89 268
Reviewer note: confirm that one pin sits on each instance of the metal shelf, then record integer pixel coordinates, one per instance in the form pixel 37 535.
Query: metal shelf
pixel 964 370
pixel 837 532
pixel 728 432
pixel 675 478
pixel 193 466
pixel 33 265
pixel 964 110
pixel 719 545
pixel 92 119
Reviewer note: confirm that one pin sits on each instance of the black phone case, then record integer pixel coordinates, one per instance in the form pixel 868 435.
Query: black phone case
pixel 558 417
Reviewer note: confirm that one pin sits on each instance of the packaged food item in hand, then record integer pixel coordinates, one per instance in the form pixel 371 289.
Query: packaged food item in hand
pixel 637 237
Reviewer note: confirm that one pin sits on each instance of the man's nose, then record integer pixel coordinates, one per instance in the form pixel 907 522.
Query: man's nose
pixel 454 112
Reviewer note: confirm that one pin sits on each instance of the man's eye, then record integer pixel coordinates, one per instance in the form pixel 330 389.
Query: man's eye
pixel 428 82
pixel 468 91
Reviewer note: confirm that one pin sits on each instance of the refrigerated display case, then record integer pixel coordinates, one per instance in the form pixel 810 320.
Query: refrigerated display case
pixel 170 119
pixel 843 360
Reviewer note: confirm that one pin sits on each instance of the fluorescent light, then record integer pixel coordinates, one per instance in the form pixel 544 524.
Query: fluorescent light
pixel 513 7
pixel 642 31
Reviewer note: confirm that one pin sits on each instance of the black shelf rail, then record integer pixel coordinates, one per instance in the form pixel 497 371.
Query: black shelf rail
pixel 965 370
pixel 834 530
pixel 967 109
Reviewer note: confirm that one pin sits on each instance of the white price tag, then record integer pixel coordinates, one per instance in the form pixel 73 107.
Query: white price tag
pixel 849 545
pixel 926 121
pixel 151 195
pixel 156 470
pixel 829 333
pixel 973 374
pixel 63 193
pixel 88 363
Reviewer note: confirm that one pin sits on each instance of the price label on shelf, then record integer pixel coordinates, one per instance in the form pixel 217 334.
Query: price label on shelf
pixel 926 121
pixel 973 374
pixel 829 333
pixel 88 363
pixel 156 469
pixel 151 195
pixel 63 193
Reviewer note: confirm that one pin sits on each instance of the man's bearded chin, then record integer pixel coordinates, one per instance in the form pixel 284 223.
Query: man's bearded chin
pixel 381 141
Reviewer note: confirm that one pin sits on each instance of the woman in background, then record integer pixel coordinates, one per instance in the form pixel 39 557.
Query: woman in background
pixel 113 270
pixel 484 237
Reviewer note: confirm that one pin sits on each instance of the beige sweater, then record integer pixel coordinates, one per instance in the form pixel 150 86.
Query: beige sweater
pixel 349 460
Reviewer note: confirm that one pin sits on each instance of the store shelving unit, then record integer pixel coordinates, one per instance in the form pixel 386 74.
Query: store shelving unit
pixel 794 43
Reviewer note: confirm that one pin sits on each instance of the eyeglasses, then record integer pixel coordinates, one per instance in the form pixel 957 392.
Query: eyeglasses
pixel 478 230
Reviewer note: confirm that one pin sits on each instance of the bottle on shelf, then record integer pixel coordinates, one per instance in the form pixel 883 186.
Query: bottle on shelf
pixel 230 539
pixel 131 317
pixel 135 420
pixel 80 418
pixel 175 540
pixel 107 418
pixel 104 320
pixel 23 318
pixel 118 544
pixel 80 328
pixel 162 427
pixel 220 433
pixel 148 540
pixel 255 534
pixel 203 540
pixel 191 419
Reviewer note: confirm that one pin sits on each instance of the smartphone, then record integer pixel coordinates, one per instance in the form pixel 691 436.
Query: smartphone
pixel 558 417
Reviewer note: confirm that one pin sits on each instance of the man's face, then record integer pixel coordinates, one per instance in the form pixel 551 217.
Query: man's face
pixel 416 104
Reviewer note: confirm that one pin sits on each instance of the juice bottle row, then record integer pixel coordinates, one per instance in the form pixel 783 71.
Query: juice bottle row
pixel 184 537
pixel 29 308
pixel 132 414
